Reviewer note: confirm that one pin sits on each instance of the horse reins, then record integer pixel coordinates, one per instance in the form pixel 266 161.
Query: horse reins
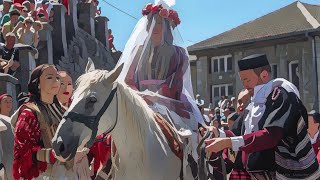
pixel 92 122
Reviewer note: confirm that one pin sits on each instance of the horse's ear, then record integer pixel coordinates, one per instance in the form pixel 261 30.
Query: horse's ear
pixel 114 74
pixel 90 66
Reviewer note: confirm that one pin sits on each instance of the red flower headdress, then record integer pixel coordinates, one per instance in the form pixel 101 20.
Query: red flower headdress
pixel 165 13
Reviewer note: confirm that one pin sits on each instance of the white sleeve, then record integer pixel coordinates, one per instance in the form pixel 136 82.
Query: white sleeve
pixel 237 142
pixel 222 134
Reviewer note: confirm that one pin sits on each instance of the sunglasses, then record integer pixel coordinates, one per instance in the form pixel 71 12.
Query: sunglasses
pixel 40 15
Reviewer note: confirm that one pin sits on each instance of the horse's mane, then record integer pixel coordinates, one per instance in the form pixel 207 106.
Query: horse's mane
pixel 91 77
pixel 133 103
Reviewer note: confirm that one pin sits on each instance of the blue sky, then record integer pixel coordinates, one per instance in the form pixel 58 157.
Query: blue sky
pixel 200 19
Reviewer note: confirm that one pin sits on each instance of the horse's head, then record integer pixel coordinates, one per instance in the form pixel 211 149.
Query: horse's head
pixel 94 98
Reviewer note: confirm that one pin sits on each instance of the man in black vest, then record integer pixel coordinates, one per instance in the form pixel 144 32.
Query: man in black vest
pixel 275 144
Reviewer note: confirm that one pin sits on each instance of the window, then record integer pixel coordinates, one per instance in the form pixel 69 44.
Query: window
pixel 223 89
pixel 230 90
pixel 222 67
pixel 294 73
pixel 274 69
pixel 221 64
pixel 215 65
pixel 216 91
pixel 229 64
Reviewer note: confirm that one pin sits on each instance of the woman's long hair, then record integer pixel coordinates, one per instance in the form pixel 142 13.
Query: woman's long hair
pixel 34 90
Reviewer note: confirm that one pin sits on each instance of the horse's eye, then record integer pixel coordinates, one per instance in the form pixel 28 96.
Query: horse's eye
pixel 93 99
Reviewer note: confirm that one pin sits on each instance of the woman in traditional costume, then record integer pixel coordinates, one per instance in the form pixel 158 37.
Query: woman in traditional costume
pixel 158 69
pixel 66 89
pixel 35 126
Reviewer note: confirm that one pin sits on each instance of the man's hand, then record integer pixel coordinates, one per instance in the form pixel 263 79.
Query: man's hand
pixel 217 144
pixel 20 25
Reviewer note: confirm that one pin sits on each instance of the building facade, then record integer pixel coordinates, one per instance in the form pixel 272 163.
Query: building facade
pixel 290 37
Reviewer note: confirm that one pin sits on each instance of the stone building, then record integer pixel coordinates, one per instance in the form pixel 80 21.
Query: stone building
pixel 289 36
pixel 67 42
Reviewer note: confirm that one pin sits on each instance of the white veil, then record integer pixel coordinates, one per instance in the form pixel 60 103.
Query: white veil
pixel 141 37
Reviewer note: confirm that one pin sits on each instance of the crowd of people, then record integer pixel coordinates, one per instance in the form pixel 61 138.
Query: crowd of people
pixel 221 116
pixel 20 22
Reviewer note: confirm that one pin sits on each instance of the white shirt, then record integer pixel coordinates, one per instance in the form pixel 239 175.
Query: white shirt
pixel 257 107
pixel 315 137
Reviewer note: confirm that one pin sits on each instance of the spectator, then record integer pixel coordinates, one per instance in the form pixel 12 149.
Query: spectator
pixel 98 11
pixel 199 101
pixel 217 114
pixel 110 39
pixel 27 4
pixel 32 9
pixel 44 9
pixel 233 103
pixel 205 117
pixel 6 7
pixel 28 35
pixel 12 25
pixel 8 52
pixel 314 132
pixel 24 12
pixel 211 111
pixel 37 26
pixel 5 104
pixel 16 10
pixel 41 17
pixel 223 102
pixel 216 123
pixel 227 111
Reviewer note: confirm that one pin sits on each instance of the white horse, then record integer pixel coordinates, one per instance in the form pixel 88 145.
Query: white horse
pixel 100 104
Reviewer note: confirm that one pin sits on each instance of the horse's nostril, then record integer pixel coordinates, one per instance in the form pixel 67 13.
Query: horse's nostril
pixel 61 148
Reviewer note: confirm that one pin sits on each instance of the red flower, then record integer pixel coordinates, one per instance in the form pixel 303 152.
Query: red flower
pixel 173 16
pixel 155 9
pixel 147 9
pixel 164 13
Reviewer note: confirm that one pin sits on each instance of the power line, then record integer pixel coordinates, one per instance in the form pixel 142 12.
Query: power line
pixel 120 10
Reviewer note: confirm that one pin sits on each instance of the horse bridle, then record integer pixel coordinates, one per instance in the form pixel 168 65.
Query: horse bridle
pixel 92 122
